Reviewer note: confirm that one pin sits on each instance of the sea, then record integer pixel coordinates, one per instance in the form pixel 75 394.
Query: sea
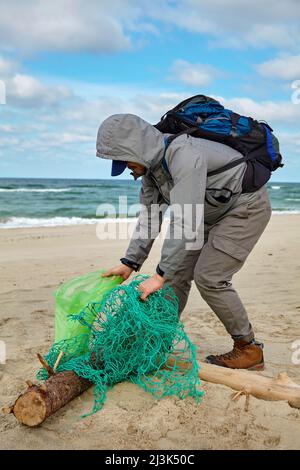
pixel 32 202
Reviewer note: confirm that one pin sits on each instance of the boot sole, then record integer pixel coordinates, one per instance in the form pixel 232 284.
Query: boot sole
pixel 260 366
pixel 257 367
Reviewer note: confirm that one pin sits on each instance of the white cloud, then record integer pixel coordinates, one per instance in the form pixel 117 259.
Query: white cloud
pixel 9 142
pixel 62 120
pixel 7 66
pixel 69 25
pixel 55 139
pixel 144 103
pixel 194 74
pixel 6 128
pixel 108 25
pixel 24 90
pixel 75 125
pixel 233 23
pixel 282 113
pixel 292 141
pixel 290 149
pixel 286 67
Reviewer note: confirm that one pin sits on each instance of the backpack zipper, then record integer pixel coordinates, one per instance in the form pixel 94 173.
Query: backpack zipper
pixel 217 119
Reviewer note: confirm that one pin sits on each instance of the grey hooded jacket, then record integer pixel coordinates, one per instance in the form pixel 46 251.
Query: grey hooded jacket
pixel 196 198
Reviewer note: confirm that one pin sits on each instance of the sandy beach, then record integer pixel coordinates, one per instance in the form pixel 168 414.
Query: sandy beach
pixel 35 261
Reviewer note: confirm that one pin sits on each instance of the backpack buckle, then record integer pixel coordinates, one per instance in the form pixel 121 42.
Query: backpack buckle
pixel 234 132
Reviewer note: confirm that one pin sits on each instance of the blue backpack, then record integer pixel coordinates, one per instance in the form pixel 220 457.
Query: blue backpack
pixel 202 116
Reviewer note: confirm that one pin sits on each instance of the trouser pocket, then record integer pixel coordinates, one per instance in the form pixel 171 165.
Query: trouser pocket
pixel 217 203
pixel 229 247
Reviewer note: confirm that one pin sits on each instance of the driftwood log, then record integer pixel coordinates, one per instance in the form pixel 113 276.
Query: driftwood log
pixel 249 383
pixel 40 401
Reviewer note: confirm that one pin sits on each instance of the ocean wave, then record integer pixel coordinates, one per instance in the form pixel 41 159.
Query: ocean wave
pixel 30 222
pixel 275 187
pixel 285 212
pixel 34 190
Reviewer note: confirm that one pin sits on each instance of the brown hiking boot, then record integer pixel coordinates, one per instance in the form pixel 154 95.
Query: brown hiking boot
pixel 244 355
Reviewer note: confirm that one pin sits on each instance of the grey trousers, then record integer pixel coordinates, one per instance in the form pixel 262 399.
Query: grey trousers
pixel 228 242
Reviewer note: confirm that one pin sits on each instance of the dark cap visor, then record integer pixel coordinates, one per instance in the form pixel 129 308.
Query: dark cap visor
pixel 118 167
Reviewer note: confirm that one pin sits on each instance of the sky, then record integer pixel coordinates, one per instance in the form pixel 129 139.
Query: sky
pixel 66 65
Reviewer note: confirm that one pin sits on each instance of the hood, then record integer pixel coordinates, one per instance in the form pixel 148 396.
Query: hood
pixel 129 138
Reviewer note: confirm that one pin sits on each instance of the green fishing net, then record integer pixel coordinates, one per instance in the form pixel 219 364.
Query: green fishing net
pixel 131 340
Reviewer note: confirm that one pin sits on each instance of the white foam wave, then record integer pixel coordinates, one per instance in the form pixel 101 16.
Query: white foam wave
pixel 275 212
pixel 34 190
pixel 275 187
pixel 29 222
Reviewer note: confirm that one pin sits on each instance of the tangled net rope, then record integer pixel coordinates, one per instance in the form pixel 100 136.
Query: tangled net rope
pixel 131 340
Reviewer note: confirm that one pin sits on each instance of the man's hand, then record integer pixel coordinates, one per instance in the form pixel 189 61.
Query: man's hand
pixel 151 285
pixel 121 270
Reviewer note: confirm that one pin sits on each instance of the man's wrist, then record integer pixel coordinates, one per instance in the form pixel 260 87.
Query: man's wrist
pixel 130 264
pixel 159 271
pixel 159 278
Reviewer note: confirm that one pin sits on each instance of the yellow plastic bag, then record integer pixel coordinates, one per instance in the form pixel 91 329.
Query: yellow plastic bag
pixel 74 295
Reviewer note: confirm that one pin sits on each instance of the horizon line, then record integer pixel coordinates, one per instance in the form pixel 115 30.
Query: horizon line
pixel 98 179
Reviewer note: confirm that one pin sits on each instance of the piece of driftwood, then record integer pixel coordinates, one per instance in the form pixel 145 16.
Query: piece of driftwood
pixel 248 383
pixel 40 401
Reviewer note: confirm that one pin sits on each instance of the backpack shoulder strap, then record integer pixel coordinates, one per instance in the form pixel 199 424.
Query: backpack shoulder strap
pixel 187 131
pixel 228 166
pixel 170 139
pixel 164 162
